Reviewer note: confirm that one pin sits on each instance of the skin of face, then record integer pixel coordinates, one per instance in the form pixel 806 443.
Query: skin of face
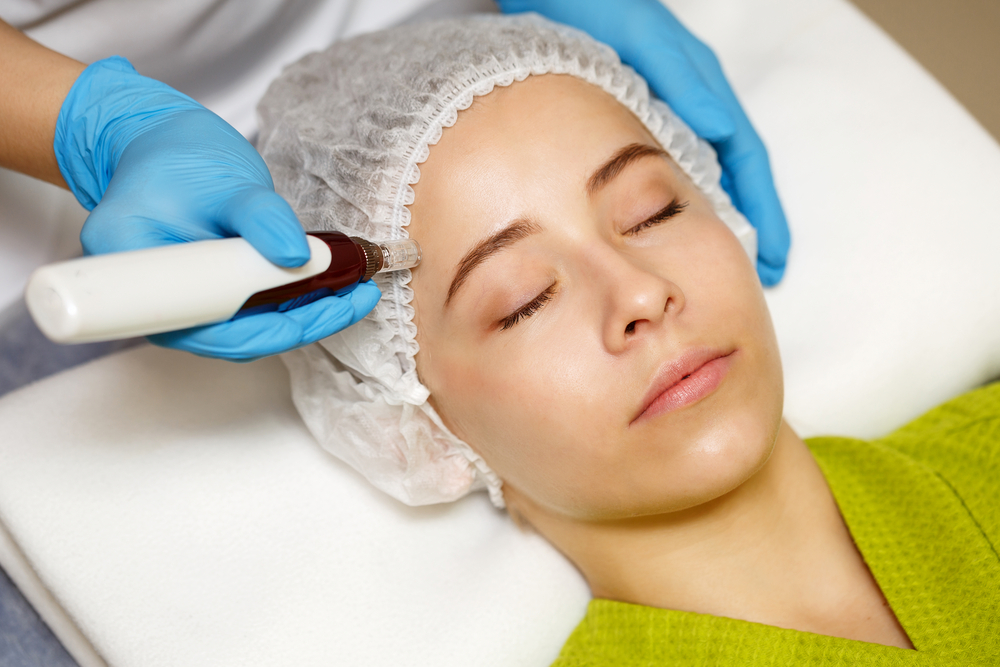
pixel 550 397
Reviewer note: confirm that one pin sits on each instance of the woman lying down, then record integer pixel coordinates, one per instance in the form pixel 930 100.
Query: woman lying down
pixel 587 339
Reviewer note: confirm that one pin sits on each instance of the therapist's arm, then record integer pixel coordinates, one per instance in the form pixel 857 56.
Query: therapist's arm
pixel 34 82
pixel 155 167
pixel 684 73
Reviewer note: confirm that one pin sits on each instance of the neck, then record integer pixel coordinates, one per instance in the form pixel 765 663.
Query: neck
pixel 775 550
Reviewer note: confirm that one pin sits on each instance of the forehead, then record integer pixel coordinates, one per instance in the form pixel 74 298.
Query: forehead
pixel 543 120
pixel 523 150
pixel 544 99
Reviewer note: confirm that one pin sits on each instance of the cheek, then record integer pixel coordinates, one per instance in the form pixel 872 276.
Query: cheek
pixel 497 402
pixel 532 411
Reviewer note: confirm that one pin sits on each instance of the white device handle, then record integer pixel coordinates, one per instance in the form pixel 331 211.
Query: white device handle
pixel 121 295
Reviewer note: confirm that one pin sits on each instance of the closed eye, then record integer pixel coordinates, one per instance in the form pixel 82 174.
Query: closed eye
pixel 528 309
pixel 664 214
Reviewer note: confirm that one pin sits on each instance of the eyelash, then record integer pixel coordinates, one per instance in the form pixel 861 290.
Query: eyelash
pixel 528 309
pixel 664 214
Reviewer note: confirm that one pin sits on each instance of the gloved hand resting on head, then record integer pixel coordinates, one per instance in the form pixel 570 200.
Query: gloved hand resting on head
pixel 156 167
pixel 685 74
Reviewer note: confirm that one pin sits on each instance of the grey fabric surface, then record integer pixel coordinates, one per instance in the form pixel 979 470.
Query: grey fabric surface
pixel 25 641
pixel 26 356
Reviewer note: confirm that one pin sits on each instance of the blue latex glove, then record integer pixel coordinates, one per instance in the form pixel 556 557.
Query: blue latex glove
pixel 685 74
pixel 155 167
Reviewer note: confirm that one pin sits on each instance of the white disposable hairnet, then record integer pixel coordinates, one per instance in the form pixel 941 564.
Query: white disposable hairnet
pixel 343 132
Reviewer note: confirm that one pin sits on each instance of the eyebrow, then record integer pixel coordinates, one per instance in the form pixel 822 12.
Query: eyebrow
pixel 506 237
pixel 619 161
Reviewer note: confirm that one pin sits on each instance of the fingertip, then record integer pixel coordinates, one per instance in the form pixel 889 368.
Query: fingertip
pixel 754 193
pixel 773 237
pixel 364 298
pixel 769 275
pixel 287 257
pixel 324 318
pixel 773 243
pixel 269 224
pixel 712 123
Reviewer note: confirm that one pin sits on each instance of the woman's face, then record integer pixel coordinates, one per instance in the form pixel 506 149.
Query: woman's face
pixel 572 277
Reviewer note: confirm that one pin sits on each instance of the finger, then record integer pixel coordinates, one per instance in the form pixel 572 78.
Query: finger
pixel 748 176
pixel 701 95
pixel 363 298
pixel 268 223
pixel 239 340
pixel 267 334
pixel 317 324
pixel 673 78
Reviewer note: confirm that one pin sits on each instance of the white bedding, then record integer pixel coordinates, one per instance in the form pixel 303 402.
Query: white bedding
pixel 180 515
pixel 198 523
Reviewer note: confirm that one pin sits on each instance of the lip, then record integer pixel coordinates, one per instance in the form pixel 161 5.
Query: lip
pixel 684 381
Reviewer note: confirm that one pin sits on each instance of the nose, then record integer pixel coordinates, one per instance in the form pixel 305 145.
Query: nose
pixel 638 300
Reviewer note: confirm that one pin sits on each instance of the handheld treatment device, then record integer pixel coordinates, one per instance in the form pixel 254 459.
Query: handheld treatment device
pixel 121 295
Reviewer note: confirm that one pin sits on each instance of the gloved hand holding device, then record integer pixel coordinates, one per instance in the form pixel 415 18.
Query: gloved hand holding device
pixel 156 168
pixel 685 74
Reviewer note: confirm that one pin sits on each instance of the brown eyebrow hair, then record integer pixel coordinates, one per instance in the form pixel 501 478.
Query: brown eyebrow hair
pixel 623 158
pixel 517 230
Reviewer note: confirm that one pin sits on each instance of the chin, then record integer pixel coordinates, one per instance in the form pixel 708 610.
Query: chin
pixel 738 452
pixel 713 463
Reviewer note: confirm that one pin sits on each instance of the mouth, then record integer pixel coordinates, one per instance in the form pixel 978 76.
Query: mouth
pixel 684 381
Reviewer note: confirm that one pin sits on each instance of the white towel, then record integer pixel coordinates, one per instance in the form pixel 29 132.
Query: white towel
pixel 182 515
